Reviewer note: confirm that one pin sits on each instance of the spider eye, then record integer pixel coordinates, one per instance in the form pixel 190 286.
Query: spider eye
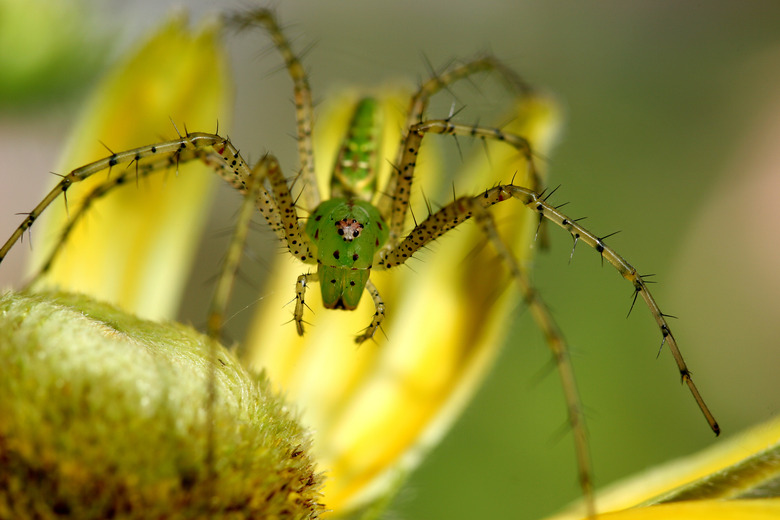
pixel 349 228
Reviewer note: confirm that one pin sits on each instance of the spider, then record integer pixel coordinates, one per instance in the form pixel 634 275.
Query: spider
pixel 362 226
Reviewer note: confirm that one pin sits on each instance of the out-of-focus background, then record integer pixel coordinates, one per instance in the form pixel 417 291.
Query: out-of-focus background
pixel 671 136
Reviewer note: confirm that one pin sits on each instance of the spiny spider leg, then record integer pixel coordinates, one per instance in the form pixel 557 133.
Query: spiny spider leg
pixel 217 152
pixel 534 201
pixel 227 276
pixel 140 171
pixel 254 196
pixel 193 141
pixel 463 208
pixel 283 204
pixel 411 148
pixel 305 280
pixel 419 103
pixel 304 113
pixel 557 345
pixel 450 217
pixel 454 73
pixel 379 313
pixel 300 298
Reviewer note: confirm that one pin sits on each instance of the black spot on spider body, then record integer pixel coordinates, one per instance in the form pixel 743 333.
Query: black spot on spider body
pixel 336 254
pixel 112 161
pixel 154 149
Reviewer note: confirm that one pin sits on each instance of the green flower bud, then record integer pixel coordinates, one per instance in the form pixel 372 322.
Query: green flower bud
pixel 103 414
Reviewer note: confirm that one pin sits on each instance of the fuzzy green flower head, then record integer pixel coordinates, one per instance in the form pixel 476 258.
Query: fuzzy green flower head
pixel 107 415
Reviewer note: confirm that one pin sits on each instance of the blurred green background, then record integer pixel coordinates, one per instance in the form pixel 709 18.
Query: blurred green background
pixel 672 124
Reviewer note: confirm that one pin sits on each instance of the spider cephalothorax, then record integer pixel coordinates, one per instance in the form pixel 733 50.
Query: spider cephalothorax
pixel 345 234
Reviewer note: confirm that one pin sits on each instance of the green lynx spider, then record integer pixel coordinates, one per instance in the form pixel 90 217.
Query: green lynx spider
pixel 346 236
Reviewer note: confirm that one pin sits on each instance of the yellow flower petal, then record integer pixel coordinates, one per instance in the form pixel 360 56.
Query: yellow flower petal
pixel 720 477
pixel 134 248
pixel 767 509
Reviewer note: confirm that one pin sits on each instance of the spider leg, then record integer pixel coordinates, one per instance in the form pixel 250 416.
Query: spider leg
pixel 557 345
pixel 227 276
pixel 307 279
pixel 411 147
pixel 304 113
pixel 451 216
pixel 178 150
pixel 419 103
pixel 535 202
pixel 463 208
pixel 379 314
pixel 300 302
pixel 139 172
pixel 277 206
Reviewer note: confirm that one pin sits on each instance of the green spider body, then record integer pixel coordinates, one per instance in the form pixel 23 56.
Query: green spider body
pixel 345 234
pixel 354 174
pixel 346 231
